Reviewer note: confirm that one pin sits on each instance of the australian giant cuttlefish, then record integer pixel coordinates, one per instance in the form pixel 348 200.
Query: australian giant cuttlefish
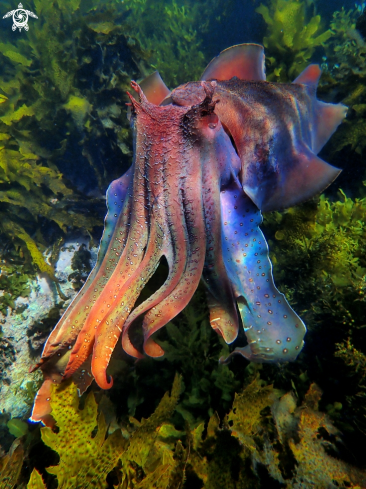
pixel 208 158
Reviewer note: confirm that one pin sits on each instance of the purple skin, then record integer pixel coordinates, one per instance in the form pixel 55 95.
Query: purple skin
pixel 274 331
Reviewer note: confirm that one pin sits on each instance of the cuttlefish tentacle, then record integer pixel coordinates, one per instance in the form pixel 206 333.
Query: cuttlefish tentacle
pixel 165 161
pixel 177 300
pixel 146 234
pixel 110 327
pixel 273 330
pixel 127 265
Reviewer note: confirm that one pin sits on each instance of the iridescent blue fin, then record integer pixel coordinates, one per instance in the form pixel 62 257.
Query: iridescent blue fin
pixel 274 331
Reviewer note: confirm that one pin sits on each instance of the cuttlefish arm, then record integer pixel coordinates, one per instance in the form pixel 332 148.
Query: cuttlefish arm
pixel 274 331
pixel 67 329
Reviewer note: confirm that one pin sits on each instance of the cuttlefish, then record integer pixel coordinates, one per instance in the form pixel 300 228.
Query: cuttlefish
pixel 209 157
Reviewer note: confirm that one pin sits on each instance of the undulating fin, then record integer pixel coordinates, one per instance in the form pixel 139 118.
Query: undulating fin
pixel 306 175
pixel 274 331
pixel 310 76
pixel 327 118
pixel 154 88
pixel 245 61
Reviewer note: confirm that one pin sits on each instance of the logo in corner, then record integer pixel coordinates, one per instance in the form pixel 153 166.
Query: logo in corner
pixel 20 18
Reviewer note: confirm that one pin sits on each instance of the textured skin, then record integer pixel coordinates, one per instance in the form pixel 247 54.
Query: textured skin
pixel 273 330
pixel 206 162
pixel 277 130
pixel 168 204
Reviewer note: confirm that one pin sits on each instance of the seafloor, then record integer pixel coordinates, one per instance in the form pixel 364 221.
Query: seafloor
pixel 182 421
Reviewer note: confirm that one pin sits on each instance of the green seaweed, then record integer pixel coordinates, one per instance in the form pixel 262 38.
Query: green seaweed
pixel 191 348
pixel 15 283
pixel 175 48
pixel 344 76
pixel 318 252
pixel 62 96
pixel 324 244
pixel 293 34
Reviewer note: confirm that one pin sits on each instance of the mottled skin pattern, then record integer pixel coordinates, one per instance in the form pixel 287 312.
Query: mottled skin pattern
pixel 206 162
pixel 273 329
pixel 275 128
pixel 168 204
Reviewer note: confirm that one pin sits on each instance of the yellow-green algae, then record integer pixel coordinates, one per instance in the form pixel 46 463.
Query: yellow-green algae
pixel 265 428
pixel 45 118
pixel 36 481
pixel 293 33
pixel 87 454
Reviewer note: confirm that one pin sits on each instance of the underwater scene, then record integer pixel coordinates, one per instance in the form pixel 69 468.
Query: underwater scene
pixel 182 244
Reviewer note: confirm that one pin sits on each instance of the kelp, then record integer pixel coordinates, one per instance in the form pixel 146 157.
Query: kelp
pixel 85 455
pixel 294 31
pixel 36 481
pixel 311 438
pixel 11 465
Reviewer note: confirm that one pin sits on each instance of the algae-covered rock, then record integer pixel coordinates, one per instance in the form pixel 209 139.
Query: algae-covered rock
pixel 28 316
